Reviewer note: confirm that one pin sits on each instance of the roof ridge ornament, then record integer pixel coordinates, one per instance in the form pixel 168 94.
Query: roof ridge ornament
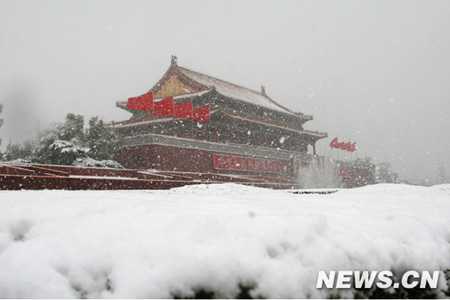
pixel 174 61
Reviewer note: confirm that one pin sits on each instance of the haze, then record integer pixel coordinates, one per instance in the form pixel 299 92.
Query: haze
pixel 372 72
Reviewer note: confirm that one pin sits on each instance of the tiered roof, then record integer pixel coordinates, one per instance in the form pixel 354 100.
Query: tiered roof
pixel 182 83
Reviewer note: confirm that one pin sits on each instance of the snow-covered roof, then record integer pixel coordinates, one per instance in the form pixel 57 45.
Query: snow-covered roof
pixel 182 83
pixel 233 91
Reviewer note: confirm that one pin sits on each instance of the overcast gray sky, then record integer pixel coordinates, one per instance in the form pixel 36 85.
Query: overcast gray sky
pixel 373 72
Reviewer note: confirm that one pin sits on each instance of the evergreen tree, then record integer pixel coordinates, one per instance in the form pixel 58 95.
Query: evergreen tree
pixel 63 143
pixel 385 174
pixel 19 152
pixel 102 143
pixel 69 143
pixel 72 128
pixel 370 169
pixel 378 173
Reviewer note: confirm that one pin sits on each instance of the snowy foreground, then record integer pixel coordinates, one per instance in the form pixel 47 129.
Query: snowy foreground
pixel 158 244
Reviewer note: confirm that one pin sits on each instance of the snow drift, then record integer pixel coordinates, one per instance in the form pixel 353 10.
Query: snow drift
pixel 224 238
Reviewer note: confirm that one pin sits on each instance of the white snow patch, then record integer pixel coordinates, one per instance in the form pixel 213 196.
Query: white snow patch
pixel 66 146
pixel 157 244
pixel 90 162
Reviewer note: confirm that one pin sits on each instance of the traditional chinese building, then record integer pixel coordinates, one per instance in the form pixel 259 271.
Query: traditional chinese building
pixel 192 128
pixel 247 132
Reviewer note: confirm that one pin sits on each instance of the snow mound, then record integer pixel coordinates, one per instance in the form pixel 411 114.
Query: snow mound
pixel 387 188
pixel 90 162
pixel 443 187
pixel 20 161
pixel 222 240
pixel 220 188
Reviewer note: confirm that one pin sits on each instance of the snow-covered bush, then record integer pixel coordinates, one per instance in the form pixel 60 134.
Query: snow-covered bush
pixel 65 152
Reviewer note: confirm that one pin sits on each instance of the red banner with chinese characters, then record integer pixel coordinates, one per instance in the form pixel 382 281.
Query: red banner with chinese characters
pixel 343 146
pixel 142 102
pixel 183 111
pixel 201 114
pixel 246 164
pixel 163 107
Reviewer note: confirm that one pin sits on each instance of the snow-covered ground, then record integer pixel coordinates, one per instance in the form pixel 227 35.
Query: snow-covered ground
pixel 158 244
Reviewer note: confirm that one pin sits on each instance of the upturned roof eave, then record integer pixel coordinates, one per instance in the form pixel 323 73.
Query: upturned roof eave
pixel 145 121
pixel 305 118
pixel 318 135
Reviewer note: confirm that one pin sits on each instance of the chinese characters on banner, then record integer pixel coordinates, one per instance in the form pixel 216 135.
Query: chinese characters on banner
pixel 246 164
pixel 183 111
pixel 167 106
pixel 201 114
pixel 163 107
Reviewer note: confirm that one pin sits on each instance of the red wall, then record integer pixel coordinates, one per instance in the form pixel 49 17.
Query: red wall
pixel 172 158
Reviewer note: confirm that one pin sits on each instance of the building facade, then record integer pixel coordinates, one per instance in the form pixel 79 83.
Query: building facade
pixel 247 132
